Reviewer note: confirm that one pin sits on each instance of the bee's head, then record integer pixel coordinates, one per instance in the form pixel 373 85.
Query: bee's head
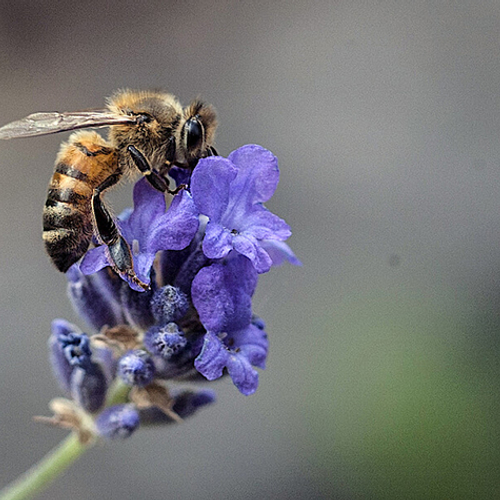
pixel 162 130
pixel 157 116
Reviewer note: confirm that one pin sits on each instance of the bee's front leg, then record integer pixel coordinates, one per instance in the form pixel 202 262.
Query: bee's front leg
pixel 109 234
pixel 152 175
pixel 211 151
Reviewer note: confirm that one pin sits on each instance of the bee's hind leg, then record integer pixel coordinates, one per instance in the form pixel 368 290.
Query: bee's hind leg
pixel 109 234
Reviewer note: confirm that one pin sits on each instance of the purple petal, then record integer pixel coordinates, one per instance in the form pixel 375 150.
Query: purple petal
pixel 279 251
pixel 212 358
pixel 218 241
pixel 180 175
pixel 264 225
pixel 97 258
pixel 244 377
pixel 149 204
pixel 258 173
pixel 215 356
pixel 210 185
pixel 175 229
pixel 222 294
pixel 142 267
pixel 94 260
pixel 252 343
pixel 250 248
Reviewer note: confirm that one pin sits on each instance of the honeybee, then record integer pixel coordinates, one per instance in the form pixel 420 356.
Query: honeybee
pixel 149 132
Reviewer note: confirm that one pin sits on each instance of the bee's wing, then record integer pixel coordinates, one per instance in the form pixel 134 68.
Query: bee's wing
pixel 50 123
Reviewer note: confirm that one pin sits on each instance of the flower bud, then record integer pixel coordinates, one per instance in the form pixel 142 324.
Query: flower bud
pixel 169 304
pixel 136 305
pixel 88 387
pixel 117 422
pixel 136 368
pixel 60 365
pixel 165 341
pixel 95 297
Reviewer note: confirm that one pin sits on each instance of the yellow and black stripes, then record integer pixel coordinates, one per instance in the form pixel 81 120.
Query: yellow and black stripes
pixel 72 172
pixel 82 164
pixel 67 226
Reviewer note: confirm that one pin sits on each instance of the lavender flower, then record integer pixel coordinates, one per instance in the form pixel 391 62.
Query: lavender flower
pixel 238 351
pixel 202 258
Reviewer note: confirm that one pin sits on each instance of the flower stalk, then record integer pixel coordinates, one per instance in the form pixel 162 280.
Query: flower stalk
pixel 39 477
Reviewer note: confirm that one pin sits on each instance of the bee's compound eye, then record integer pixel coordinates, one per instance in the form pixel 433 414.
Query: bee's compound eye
pixel 193 134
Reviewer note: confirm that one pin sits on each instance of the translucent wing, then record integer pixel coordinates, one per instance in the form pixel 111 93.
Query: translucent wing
pixel 51 123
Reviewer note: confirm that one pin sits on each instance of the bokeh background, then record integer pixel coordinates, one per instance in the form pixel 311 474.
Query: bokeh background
pixel 384 371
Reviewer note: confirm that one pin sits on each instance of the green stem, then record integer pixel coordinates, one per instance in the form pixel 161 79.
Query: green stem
pixel 118 393
pixel 37 478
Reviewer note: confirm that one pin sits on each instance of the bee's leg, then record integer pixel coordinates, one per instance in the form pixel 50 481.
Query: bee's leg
pixel 211 151
pixel 152 175
pixel 109 234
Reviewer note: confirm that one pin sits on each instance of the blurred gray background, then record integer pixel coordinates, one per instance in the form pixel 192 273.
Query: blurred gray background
pixel 383 376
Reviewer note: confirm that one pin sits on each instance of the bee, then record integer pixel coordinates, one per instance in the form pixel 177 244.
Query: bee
pixel 149 133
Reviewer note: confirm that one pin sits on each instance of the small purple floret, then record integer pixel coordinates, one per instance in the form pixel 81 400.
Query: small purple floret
pixel 169 304
pixel 230 192
pixel 187 403
pixel 165 341
pixel 76 348
pixel 136 368
pixel 237 351
pixel 117 422
pixel 280 252
pixel 95 297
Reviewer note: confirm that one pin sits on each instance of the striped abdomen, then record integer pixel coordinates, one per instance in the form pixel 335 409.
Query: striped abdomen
pixel 82 164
